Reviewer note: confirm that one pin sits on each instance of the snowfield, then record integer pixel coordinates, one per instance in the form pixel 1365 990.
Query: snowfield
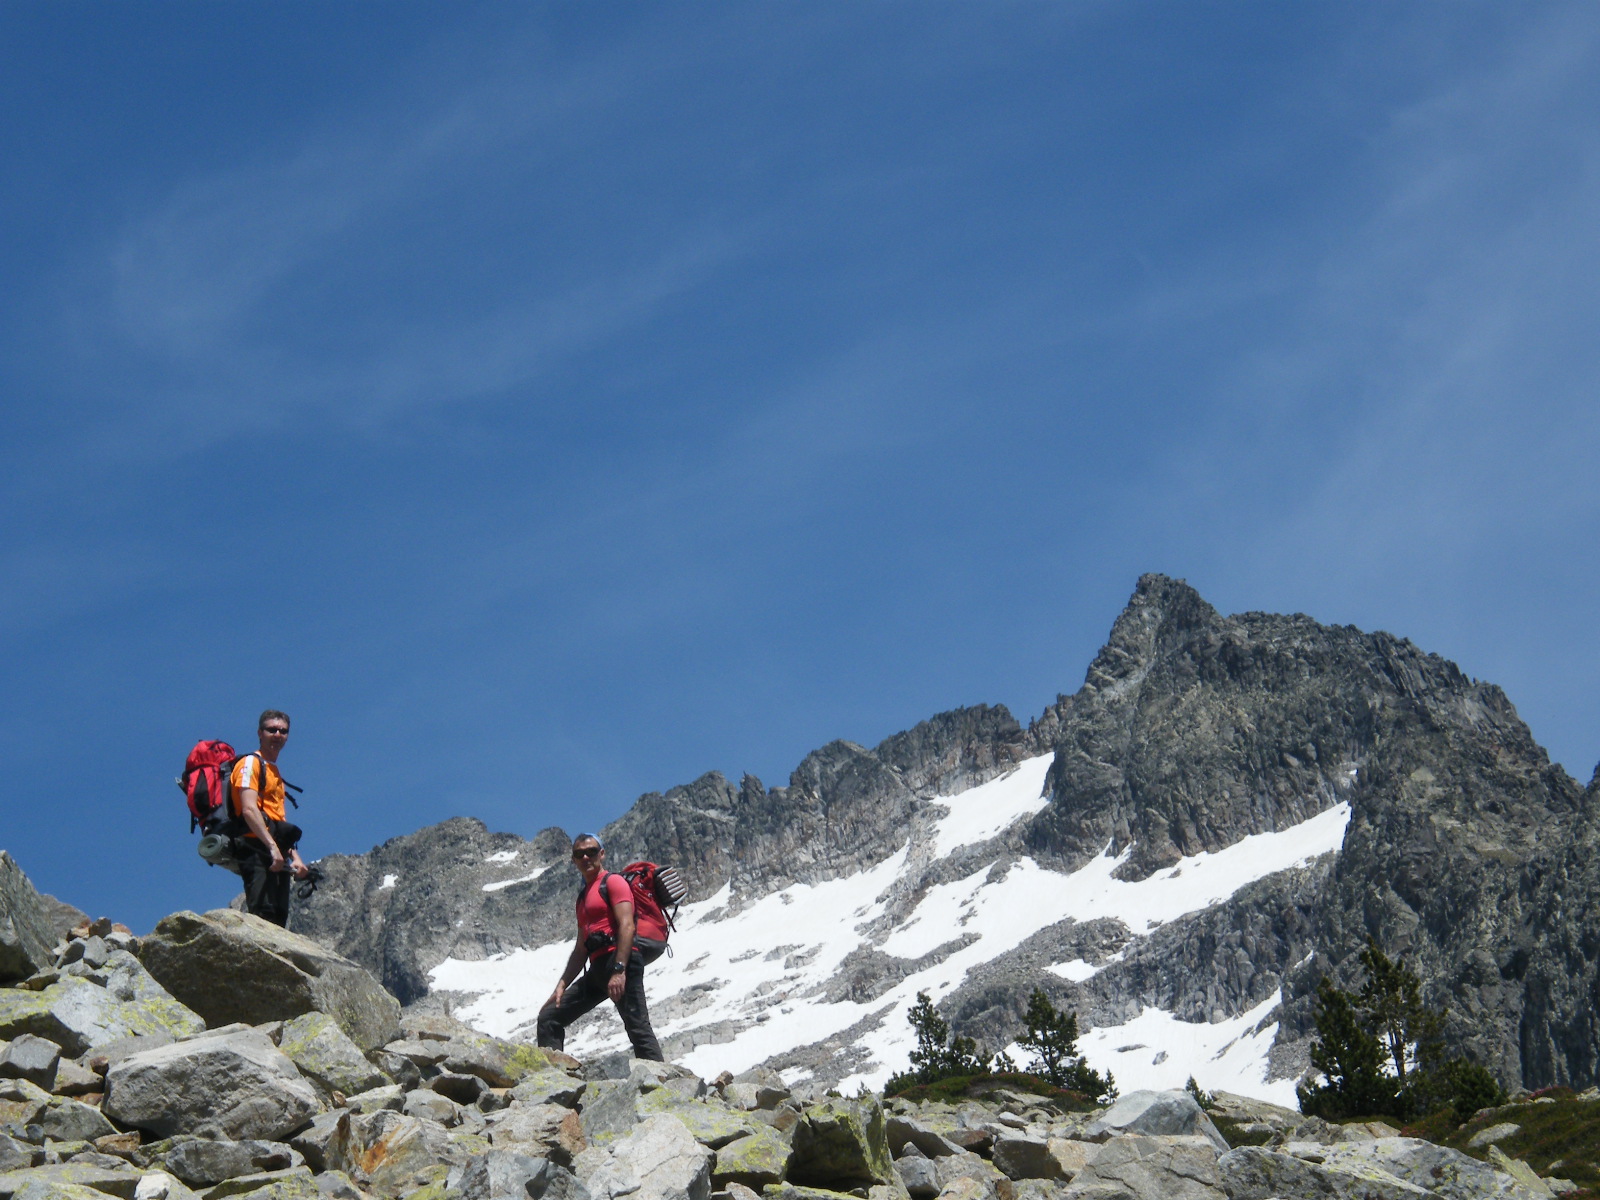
pixel 749 985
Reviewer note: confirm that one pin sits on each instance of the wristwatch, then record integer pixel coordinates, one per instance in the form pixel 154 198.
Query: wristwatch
pixel 618 968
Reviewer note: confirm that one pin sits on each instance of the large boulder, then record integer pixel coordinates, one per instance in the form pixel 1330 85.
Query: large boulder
pixel 509 1175
pixel 56 1179
pixel 756 1160
pixel 202 1162
pixel 1154 1168
pixel 230 966
pixel 1255 1173
pixel 1440 1169
pixel 537 1130
pixel 26 938
pixel 711 1123
pixel 394 1153
pixel 658 1160
pixel 79 1014
pixel 235 1085
pixel 842 1144
pixel 325 1054
pixel 1161 1114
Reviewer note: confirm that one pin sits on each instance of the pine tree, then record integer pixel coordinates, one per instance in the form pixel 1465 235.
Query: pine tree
pixel 938 1054
pixel 1391 1000
pixel 1351 1057
pixel 1053 1038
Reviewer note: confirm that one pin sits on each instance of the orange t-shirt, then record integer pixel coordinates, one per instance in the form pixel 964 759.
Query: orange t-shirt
pixel 248 772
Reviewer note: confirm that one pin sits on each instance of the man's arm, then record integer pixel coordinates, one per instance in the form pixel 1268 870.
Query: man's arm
pixel 622 920
pixel 568 973
pixel 250 810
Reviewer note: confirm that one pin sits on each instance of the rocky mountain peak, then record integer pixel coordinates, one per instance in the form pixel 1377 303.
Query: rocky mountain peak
pixel 1199 746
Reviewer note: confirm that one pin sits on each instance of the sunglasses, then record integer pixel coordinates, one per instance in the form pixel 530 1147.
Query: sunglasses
pixel 591 852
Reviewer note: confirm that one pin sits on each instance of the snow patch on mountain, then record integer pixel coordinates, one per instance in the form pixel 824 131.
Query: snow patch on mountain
pixel 744 986
pixel 1157 1050
pixel 505 883
pixel 979 813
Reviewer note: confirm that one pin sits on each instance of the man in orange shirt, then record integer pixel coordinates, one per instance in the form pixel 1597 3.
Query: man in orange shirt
pixel 258 797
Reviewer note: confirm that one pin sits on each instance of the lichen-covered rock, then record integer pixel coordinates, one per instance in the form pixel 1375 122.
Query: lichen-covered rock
pixel 1256 1173
pixel 325 1054
pixel 71 1120
pixel 21 1101
pixel 1436 1168
pixel 295 1183
pixel 1023 1156
pixel 236 1085
pixel 610 1110
pixel 202 1162
pixel 658 1160
pixel 509 1175
pixel 393 1152
pixel 756 1160
pixel 549 1086
pixel 710 1122
pixel 919 1176
pixel 26 937
pixel 902 1129
pixel 31 1058
pixel 15 1155
pixel 842 1142
pixel 105 1182
pixel 231 966
pixel 539 1130
pixel 79 1015
pixel 497 1062
pixel 326 1129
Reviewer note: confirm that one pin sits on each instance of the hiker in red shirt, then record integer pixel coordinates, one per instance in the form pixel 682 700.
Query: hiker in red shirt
pixel 606 953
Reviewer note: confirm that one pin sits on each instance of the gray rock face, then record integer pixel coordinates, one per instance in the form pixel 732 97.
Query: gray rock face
pixel 658 1160
pixel 1156 1113
pixel 324 1053
pixel 31 1058
pixel 200 1162
pixel 78 1014
pixel 231 966
pixel 238 1085
pixel 1153 1168
pixel 26 936
pixel 1467 851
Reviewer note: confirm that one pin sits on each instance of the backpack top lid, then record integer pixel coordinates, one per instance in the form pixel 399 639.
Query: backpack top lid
pixel 208 754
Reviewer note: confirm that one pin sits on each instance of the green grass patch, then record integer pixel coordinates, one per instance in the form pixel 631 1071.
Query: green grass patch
pixel 976 1087
pixel 1561 1137
pixel 1234 1133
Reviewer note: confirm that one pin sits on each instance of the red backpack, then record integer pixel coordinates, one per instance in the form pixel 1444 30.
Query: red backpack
pixel 654 888
pixel 207 780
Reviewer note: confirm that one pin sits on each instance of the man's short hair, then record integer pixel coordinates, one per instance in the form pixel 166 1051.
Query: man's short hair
pixel 269 715
pixel 587 837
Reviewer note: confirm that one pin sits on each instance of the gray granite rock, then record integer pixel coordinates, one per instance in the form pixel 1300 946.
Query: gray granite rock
pixel 201 1162
pixel 231 966
pixel 236 1085
pixel 26 936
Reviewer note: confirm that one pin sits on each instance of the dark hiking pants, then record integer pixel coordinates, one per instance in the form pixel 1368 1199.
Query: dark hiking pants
pixel 266 892
pixel 587 991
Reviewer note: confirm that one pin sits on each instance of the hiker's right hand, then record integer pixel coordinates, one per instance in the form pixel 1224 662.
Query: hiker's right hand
pixel 277 863
pixel 555 996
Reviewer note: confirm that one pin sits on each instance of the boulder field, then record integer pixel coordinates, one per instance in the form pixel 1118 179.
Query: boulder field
pixel 222 1057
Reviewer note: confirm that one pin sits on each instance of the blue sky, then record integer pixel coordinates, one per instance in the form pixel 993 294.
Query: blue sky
pixel 549 403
